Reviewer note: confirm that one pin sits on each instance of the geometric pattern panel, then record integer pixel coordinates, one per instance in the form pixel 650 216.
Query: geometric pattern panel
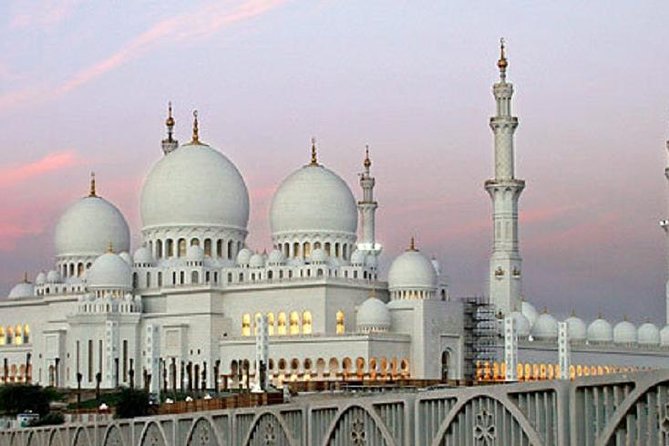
pixel 356 427
pixel 153 436
pixel 646 422
pixel 268 432
pixel 484 421
pixel 202 434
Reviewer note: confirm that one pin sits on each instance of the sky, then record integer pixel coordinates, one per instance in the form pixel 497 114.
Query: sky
pixel 84 87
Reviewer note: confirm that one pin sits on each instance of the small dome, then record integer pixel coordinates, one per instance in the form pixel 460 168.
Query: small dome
pixel 318 255
pixel 529 312
pixel 194 254
pixel 194 185
pixel 664 336
pixel 276 258
pixel 53 276
pixel 126 258
pixel 576 329
pixel 89 226
pixel 649 334
pixel 110 271
pixel 358 258
pixel 522 324
pixel 143 256
pixel 40 279
pixel 373 316
pixel 257 261
pixel 545 327
pixel 22 289
pixel 624 333
pixel 313 199
pixel 600 331
pixel 244 257
pixel 371 261
pixel 411 271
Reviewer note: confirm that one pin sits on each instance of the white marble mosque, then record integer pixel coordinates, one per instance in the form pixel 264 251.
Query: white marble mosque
pixel 186 300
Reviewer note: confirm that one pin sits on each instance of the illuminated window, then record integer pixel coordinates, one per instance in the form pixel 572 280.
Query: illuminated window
pixel 281 324
pixel 207 247
pixel 169 248
pixel 181 246
pixel 18 335
pixel 2 336
pixel 306 322
pixel 270 323
pixel 10 335
pixel 340 322
pixel 26 334
pixel 246 325
pixel 294 323
pixel 306 251
pixel 296 249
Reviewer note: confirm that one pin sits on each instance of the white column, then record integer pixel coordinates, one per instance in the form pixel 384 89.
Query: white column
pixel 262 352
pixel 564 353
pixel 665 225
pixel 152 361
pixel 111 353
pixel 510 348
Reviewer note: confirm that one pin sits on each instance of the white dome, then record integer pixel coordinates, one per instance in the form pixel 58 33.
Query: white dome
pixel 22 289
pixel 649 334
pixel 143 256
pixel 194 185
pixel 316 200
pixel 664 336
pixel 318 255
pixel 546 327
pixel 244 257
pixel 194 254
pixel 257 261
pixel 275 258
pixel 529 312
pixel 373 315
pixel 110 271
pixel 89 226
pixel 358 258
pixel 522 324
pixel 600 330
pixel 40 279
pixel 624 333
pixel 53 276
pixel 576 329
pixel 126 257
pixel 411 271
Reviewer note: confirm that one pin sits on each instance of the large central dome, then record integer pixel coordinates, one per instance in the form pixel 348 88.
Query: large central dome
pixel 195 185
pixel 313 199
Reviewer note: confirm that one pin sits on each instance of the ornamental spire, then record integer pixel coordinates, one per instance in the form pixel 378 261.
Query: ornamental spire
pixel 412 244
pixel 196 130
pixel 110 247
pixel 169 122
pixel 314 157
pixel 367 163
pixel 502 63
pixel 92 191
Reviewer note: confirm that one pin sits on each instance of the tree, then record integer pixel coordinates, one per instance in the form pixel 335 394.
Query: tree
pixel 19 398
pixel 132 403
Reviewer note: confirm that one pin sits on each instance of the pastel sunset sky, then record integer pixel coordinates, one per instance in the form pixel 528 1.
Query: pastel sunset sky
pixel 84 86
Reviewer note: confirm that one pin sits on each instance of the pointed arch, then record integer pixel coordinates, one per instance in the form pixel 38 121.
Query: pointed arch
pixel 357 425
pixel 82 438
pixel 203 433
pixel 152 435
pixel 267 428
pixel 56 438
pixel 113 436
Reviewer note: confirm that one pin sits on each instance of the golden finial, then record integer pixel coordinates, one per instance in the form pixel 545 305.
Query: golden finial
pixel 367 163
pixel 92 191
pixel 412 244
pixel 196 135
pixel 502 63
pixel 169 122
pixel 573 313
pixel 314 158
pixel 25 277
pixel 110 247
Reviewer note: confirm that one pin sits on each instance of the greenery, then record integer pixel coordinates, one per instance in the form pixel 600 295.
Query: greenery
pixel 132 403
pixel 50 419
pixel 20 398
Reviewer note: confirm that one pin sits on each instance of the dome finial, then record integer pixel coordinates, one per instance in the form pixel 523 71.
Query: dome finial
pixel 367 163
pixel 92 191
pixel 110 247
pixel 314 157
pixel 25 277
pixel 502 63
pixel 412 244
pixel 169 122
pixel 196 130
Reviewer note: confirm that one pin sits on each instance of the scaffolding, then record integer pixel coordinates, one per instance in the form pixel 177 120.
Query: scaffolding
pixel 480 334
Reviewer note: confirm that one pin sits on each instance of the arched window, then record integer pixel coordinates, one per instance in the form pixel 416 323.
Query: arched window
pixel 294 323
pixel 219 248
pixel 345 251
pixel 182 278
pixel 317 245
pixel 160 279
pixel 159 249
pixel 340 322
pixel 18 335
pixel 135 280
pixel 229 253
pixel 181 247
pixel 327 248
pixel 207 247
pixel 306 250
pixel 3 335
pixel 282 364
pixel 194 277
pixel 169 248
pixel 306 322
pixel 270 274
pixel 195 242
pixel 296 249
pixel 286 250
pixel 207 277
pixel 281 324
pixel 80 269
pixel 148 279
pixel 270 323
pixel 246 325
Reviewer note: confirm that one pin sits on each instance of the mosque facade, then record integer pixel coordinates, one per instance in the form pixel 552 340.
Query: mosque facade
pixel 187 304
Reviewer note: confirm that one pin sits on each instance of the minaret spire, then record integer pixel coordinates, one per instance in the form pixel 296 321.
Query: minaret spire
pixel 665 225
pixel 169 144
pixel 504 189
pixel 367 210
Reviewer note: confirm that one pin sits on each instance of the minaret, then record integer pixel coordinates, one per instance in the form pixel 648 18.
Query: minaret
pixel 169 144
pixel 367 208
pixel 665 225
pixel 504 189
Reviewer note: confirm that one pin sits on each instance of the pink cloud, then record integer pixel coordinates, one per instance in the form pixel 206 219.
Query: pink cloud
pixel 10 176
pixel 43 14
